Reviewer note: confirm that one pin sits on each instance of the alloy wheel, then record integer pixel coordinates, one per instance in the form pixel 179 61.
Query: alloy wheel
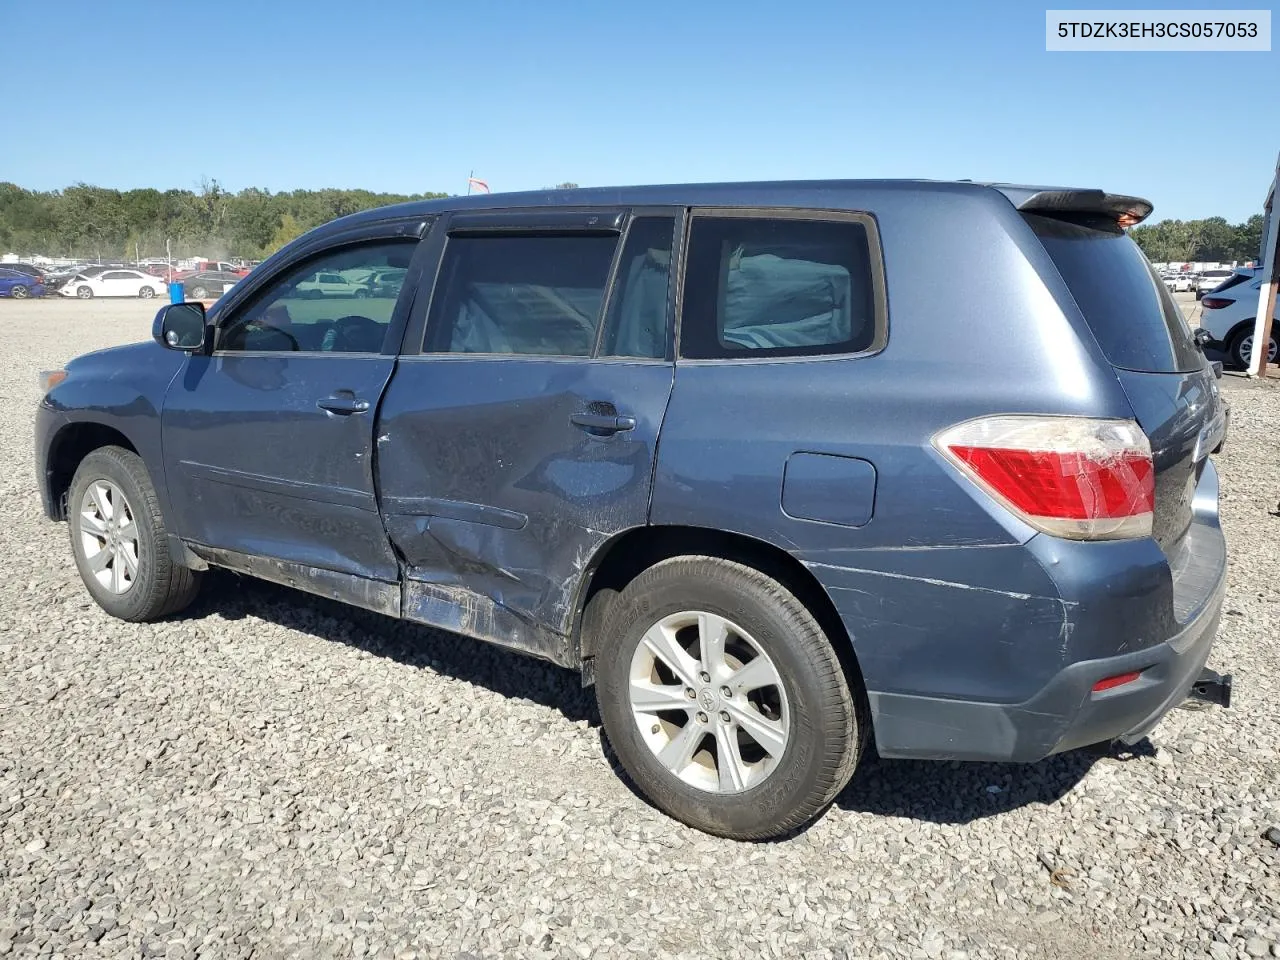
pixel 709 702
pixel 108 536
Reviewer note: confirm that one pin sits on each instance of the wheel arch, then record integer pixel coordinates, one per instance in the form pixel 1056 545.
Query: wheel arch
pixel 70 445
pixel 620 559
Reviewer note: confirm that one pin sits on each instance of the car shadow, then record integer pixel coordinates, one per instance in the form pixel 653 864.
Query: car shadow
pixel 954 792
pixel 502 671
pixel 922 790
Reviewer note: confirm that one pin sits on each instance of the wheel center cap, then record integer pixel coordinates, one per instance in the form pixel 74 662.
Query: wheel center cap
pixel 707 700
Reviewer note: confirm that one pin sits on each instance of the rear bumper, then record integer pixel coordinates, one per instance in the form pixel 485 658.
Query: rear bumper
pixel 1064 714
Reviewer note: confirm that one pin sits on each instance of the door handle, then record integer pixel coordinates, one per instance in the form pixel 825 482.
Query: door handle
pixel 344 406
pixel 604 422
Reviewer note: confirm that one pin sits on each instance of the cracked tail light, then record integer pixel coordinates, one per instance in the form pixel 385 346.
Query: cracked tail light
pixel 1072 477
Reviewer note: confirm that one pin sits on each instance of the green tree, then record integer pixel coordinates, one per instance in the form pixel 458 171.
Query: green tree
pixel 289 229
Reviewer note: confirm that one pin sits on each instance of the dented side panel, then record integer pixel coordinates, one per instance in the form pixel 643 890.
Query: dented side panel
pixel 496 500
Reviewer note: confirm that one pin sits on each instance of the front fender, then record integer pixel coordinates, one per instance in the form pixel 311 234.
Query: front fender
pixel 107 397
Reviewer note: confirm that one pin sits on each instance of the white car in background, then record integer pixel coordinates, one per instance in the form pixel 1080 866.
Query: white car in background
pixel 1228 312
pixel 1180 282
pixel 1210 279
pixel 113 283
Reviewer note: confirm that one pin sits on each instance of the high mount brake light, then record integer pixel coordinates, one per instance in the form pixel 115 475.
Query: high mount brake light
pixel 1073 477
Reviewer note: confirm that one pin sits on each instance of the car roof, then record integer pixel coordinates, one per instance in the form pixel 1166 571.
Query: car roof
pixel 821 193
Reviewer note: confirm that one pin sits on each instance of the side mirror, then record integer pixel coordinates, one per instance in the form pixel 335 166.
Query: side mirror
pixel 1202 337
pixel 180 326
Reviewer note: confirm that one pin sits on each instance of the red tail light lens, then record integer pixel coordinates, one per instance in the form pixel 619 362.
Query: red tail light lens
pixel 1071 477
pixel 1119 680
pixel 1215 303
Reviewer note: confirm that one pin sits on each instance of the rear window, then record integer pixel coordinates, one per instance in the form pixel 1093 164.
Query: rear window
pixel 1131 313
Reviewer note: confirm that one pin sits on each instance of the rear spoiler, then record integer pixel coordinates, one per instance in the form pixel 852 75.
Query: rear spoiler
pixel 1126 211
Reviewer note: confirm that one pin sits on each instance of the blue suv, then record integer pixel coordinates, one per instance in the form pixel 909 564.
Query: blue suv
pixel 779 467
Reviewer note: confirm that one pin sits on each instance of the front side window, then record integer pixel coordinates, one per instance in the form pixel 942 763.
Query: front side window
pixel 527 294
pixel 323 306
pixel 777 286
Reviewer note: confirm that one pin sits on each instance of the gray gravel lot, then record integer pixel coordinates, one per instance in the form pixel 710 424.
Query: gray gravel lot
pixel 273 775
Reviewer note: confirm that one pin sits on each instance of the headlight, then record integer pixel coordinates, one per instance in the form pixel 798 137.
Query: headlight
pixel 50 379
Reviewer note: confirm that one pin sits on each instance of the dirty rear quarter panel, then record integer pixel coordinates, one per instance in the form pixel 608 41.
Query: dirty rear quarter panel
pixel 942 592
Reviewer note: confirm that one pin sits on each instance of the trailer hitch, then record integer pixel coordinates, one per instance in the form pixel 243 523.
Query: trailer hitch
pixel 1211 687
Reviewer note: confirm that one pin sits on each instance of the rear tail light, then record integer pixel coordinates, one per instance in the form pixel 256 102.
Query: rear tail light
pixel 1215 303
pixel 1072 477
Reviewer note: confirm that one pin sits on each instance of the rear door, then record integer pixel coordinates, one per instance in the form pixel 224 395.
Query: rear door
pixel 1142 333
pixel 519 432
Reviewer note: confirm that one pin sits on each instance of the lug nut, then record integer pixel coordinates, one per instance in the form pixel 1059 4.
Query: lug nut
pixel 726 692
pixel 724 716
pixel 656 728
pixel 704 677
pixel 689 693
pixel 702 717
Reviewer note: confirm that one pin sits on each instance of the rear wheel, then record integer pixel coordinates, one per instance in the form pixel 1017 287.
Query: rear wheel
pixel 199 293
pixel 84 293
pixel 1242 346
pixel 146 293
pixel 20 292
pixel 724 700
pixel 120 542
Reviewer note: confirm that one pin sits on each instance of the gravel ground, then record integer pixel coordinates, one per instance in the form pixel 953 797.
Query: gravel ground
pixel 274 775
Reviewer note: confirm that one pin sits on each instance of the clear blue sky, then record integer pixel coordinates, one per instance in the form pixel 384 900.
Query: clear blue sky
pixel 410 96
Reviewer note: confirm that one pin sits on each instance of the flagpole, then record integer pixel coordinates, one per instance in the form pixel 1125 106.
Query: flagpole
pixel 469 178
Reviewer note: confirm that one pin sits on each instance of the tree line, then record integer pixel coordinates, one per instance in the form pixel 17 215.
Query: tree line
pixel 1212 240
pixel 88 221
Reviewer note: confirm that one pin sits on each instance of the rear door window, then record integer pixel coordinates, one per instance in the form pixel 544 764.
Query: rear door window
pixel 1131 313
pixel 529 294
pixel 775 286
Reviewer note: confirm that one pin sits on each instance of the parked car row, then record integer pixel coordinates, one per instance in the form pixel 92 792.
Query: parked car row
pixel 1197 283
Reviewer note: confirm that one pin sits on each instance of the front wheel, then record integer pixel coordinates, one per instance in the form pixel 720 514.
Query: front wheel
pixel 120 542
pixel 724 700
pixel 1242 346
pixel 146 293
pixel 84 293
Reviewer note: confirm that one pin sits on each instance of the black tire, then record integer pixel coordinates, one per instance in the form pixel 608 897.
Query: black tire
pixel 162 585
pixel 825 733
pixel 84 293
pixel 1236 349
pixel 199 293
pixel 19 292
pixel 146 293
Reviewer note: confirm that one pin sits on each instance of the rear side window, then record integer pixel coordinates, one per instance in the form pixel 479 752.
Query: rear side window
pixel 1131 313
pixel 526 294
pixel 777 286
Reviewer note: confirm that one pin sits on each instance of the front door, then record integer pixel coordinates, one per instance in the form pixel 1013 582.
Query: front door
pixel 268 441
pixel 523 435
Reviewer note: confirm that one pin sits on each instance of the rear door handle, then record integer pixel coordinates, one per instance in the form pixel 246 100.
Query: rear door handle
pixel 344 406
pixel 607 422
